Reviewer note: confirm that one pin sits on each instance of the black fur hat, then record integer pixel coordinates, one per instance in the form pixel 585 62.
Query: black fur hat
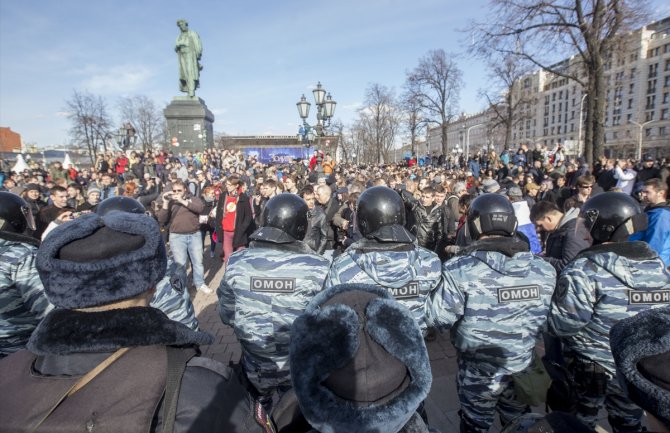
pixel 641 349
pixel 95 260
pixel 358 361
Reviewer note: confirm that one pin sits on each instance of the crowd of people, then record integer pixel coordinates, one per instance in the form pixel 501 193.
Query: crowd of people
pixel 335 274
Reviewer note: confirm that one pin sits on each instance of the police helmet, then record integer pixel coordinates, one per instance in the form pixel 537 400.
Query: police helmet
pixel 121 203
pixel 381 215
pixel 15 214
pixel 284 219
pixel 613 217
pixel 491 214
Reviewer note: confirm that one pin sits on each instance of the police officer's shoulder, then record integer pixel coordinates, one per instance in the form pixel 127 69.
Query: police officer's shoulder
pixel 16 251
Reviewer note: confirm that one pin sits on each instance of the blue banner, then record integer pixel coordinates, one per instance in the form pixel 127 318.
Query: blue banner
pixel 276 155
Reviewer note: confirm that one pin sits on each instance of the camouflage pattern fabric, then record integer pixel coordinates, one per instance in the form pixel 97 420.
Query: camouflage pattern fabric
pixel 410 274
pixel 496 307
pixel 623 414
pixel 172 296
pixel 500 304
pixel 23 302
pixel 481 393
pixel 602 286
pixel 263 291
pixel 598 289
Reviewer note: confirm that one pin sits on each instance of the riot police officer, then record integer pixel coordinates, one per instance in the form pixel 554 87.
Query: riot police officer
pixel 22 300
pixel 265 288
pixel 388 255
pixel 171 296
pixel 495 296
pixel 612 280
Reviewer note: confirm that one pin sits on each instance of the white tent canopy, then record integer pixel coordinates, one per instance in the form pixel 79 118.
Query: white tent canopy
pixel 67 162
pixel 20 164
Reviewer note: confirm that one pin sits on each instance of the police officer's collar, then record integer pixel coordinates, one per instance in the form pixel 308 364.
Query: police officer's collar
pixel 635 250
pixel 17 237
pixel 394 233
pixel 272 234
pixel 367 245
pixel 298 247
pixel 507 245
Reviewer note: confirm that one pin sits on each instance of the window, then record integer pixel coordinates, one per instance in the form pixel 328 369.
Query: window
pixel 630 103
pixel 662 131
pixel 649 116
pixel 647 132
pixel 631 88
pixel 667 81
pixel 665 115
pixel 666 97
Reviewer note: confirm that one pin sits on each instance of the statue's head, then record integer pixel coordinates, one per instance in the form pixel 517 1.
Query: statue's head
pixel 182 24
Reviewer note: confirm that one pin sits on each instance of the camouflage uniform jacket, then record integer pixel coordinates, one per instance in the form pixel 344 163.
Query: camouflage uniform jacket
pixel 603 285
pixel 409 272
pixel 265 288
pixel 172 296
pixel 496 302
pixel 23 302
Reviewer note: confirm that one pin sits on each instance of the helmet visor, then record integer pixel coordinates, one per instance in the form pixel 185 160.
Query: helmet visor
pixel 28 215
pixel 587 219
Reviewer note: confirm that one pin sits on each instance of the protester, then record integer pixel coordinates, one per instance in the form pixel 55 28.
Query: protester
pixel 180 213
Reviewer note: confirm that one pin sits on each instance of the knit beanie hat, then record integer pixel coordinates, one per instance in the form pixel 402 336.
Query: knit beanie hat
pixel 358 361
pixel 94 260
pixel 641 350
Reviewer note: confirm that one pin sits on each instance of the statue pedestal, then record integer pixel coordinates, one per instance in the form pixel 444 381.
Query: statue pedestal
pixel 189 123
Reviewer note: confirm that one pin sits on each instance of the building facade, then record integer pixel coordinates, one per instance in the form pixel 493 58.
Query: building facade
pixel 550 108
pixel 10 141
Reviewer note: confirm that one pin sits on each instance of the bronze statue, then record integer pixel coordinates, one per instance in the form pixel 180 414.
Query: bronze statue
pixel 189 51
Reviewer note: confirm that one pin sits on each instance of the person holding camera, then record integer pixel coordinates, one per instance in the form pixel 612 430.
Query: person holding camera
pixel 180 212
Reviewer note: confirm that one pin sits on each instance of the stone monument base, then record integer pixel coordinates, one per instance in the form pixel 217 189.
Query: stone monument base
pixel 189 123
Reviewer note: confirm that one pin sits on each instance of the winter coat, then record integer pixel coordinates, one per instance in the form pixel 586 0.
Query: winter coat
pixel 244 222
pixel 568 240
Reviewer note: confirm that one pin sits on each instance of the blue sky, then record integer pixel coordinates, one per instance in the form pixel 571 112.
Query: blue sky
pixel 259 57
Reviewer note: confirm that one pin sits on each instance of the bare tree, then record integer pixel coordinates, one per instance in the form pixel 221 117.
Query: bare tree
pixel 145 118
pixel 436 84
pixel 544 31
pixel 378 123
pixel 90 121
pixel 414 123
pixel 507 96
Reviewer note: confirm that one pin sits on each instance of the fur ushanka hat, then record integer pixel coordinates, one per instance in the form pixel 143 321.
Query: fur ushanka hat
pixel 641 350
pixel 358 361
pixel 93 260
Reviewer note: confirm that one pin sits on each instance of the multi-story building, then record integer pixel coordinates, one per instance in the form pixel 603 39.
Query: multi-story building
pixel 10 141
pixel 550 108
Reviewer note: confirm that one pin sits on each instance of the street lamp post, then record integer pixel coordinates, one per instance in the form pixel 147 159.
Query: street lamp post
pixel 467 138
pixel 639 143
pixel 579 133
pixel 325 109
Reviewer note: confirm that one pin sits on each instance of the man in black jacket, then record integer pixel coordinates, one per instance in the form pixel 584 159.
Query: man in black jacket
pixel 428 224
pixel 118 364
pixel 567 237
pixel 317 228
